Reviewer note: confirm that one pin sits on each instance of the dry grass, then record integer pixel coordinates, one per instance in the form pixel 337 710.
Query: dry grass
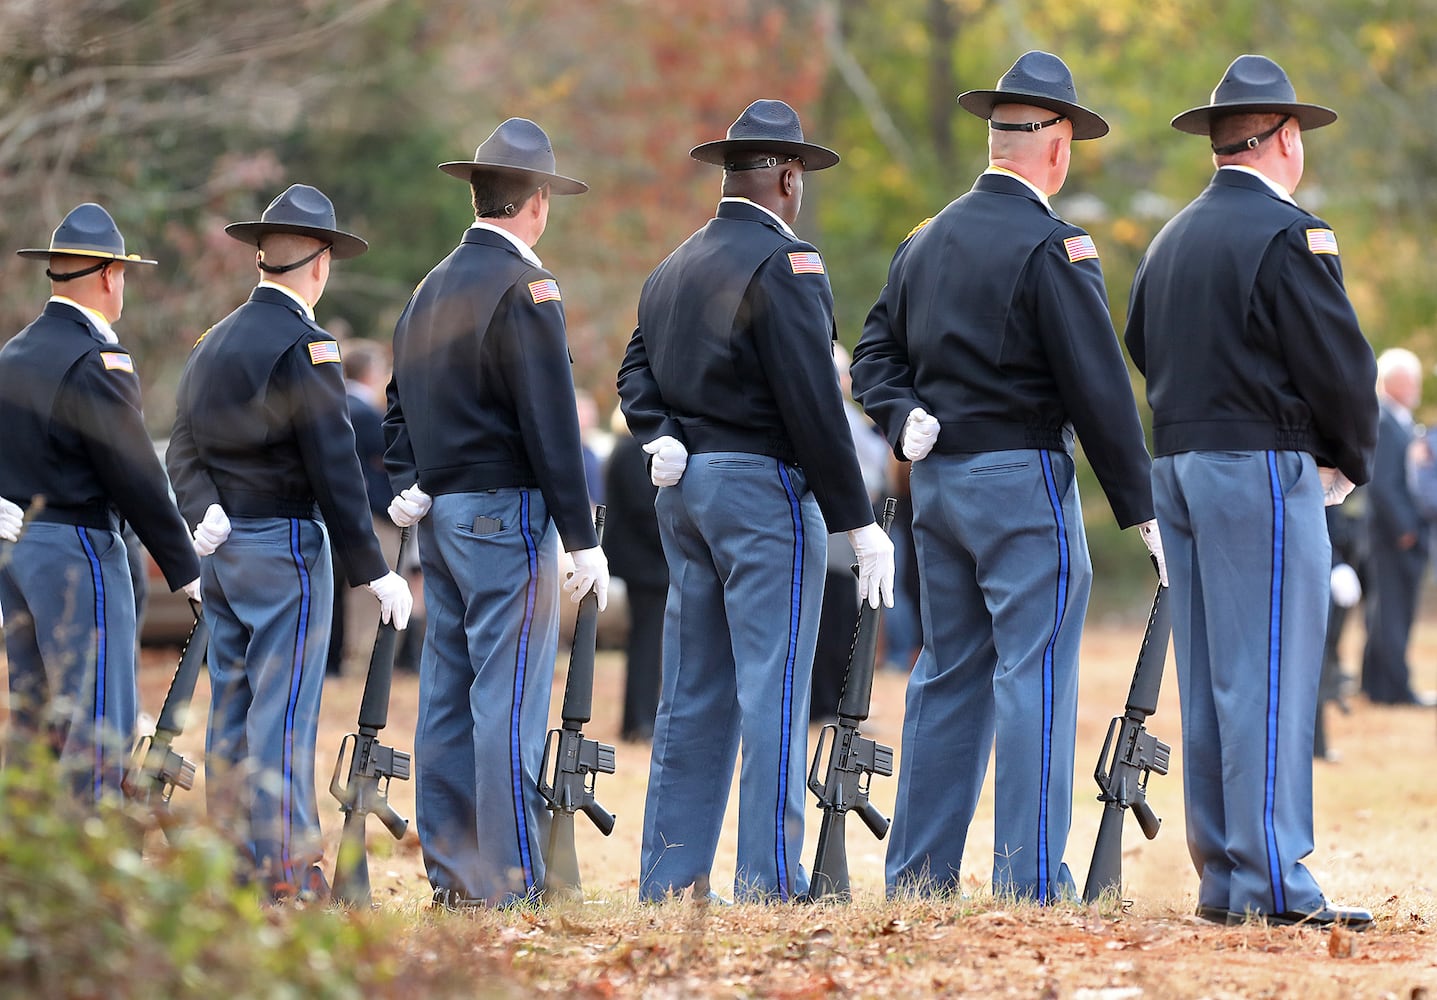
pixel 1376 835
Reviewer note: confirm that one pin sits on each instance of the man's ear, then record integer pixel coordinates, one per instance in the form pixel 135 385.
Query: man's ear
pixel 788 181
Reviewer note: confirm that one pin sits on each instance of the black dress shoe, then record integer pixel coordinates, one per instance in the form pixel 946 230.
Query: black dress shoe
pixel 1215 914
pixel 1354 918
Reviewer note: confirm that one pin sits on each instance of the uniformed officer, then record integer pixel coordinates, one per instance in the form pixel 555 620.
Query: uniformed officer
pixel 263 462
pixel 729 383
pixel 78 458
pixel 1261 386
pixel 483 437
pixel 990 345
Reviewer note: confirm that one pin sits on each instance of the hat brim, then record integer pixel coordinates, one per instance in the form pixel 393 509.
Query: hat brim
pixel 1086 124
pixel 1198 121
pixel 558 183
pixel 342 245
pixel 37 254
pixel 718 152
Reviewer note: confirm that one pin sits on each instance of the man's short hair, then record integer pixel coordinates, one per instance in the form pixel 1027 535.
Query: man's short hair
pixel 1230 129
pixel 493 192
pixel 361 359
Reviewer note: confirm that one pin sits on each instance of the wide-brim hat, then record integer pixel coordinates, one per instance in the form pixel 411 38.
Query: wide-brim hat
pixel 1042 80
pixel 1253 85
pixel 766 127
pixel 520 148
pixel 88 231
pixel 301 211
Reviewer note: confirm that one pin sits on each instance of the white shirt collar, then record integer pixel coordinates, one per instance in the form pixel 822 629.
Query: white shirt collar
pixel 765 210
pixel 1005 172
pixel 1277 188
pixel 97 319
pixel 525 250
pixel 298 298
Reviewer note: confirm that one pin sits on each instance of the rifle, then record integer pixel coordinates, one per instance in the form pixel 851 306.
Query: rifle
pixel 371 766
pixel 1130 756
pixel 568 786
pixel 156 769
pixel 852 759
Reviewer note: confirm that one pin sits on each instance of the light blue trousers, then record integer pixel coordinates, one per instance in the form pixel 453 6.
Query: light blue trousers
pixel 1004 578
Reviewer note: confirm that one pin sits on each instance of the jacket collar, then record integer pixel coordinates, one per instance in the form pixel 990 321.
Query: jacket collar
pixel 61 308
pixel 1236 177
pixel 483 235
pixel 751 211
pixel 1005 182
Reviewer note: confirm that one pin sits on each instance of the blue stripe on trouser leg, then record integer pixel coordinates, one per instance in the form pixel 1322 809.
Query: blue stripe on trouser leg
pixel 97 719
pixel 485 677
pixel 1060 604
pixel 730 538
pixel 268 595
pixel 1248 649
pixel 998 670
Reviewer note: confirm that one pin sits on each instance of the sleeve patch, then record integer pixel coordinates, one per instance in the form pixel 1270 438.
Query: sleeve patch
pixel 918 228
pixel 1080 248
pixel 116 362
pixel 806 262
pixel 546 290
pixel 323 351
pixel 1322 241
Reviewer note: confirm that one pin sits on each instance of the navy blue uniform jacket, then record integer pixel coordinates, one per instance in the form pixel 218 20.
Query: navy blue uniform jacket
pixel 262 429
pixel 995 320
pixel 734 352
pixel 482 396
pixel 74 437
pixel 1241 324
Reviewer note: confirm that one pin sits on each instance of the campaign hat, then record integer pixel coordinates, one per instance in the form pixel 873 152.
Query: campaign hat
pixel 1253 84
pixel 517 148
pixel 87 231
pixel 765 127
pixel 301 210
pixel 1042 80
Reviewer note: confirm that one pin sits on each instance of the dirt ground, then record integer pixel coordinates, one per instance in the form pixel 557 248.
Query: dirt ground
pixel 1376 840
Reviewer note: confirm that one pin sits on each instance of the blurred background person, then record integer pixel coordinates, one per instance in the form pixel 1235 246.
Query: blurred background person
pixel 1397 536
pixel 1347 531
pixel 636 556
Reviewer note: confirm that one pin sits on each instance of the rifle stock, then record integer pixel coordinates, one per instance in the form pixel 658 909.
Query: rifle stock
pixel 1130 755
pixel 852 759
pixel 156 768
pixel 371 766
pixel 572 763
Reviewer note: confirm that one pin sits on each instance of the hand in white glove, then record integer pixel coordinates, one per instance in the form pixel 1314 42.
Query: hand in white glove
pixel 410 506
pixel 1148 531
pixel 875 564
pixel 395 600
pixel 590 571
pixel 1346 588
pixel 670 459
pixel 211 533
pixel 1335 486
pixel 12 519
pixel 920 430
pixel 192 590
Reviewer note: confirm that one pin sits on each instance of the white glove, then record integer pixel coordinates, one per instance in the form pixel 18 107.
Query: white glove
pixel 670 460
pixel 875 564
pixel 192 590
pixel 12 519
pixel 211 533
pixel 590 571
pixel 1148 531
pixel 395 600
pixel 1335 486
pixel 1346 588
pixel 410 506
pixel 920 430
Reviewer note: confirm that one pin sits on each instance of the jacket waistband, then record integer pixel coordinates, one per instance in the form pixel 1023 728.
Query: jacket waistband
pixel 476 477
pixel 97 516
pixel 703 438
pixel 241 503
pixel 969 436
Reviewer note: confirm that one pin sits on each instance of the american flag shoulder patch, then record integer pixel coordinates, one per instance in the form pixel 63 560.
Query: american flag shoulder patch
pixel 806 262
pixel 116 361
pixel 546 290
pixel 1080 248
pixel 1322 241
pixel 322 351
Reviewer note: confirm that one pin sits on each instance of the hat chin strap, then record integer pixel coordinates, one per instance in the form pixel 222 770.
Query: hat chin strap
pixel 1023 126
pixel 71 275
pixel 1252 141
pixel 286 268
